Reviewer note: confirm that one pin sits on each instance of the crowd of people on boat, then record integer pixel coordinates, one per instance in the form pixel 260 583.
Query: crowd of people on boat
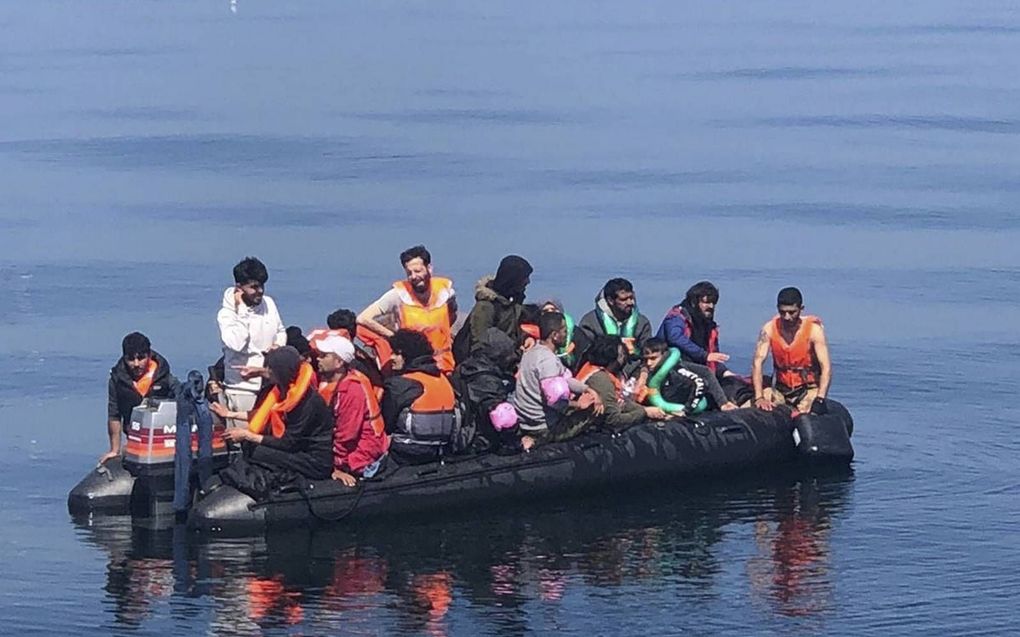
pixel 399 382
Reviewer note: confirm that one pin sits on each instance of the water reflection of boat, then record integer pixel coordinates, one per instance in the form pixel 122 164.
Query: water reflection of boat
pixel 322 581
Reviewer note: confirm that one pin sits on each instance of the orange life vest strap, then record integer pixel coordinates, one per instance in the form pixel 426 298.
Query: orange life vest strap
pixel 271 409
pixel 438 395
pixel 374 410
pixel 144 384
pixel 328 391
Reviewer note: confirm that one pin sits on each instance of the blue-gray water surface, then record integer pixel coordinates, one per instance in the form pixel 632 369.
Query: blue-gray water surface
pixel 868 153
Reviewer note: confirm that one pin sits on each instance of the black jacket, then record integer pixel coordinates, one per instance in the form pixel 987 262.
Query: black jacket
pixel 309 434
pixel 486 378
pixel 121 394
pixel 400 392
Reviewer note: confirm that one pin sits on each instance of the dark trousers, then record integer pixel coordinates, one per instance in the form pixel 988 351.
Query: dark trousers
pixel 191 411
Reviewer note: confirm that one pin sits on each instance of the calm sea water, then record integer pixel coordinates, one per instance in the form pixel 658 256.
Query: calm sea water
pixel 868 154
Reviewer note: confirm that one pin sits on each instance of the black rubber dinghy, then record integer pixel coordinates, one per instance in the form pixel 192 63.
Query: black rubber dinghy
pixel 661 454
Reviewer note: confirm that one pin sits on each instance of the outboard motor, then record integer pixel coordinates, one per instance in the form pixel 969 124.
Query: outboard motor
pixel 823 435
pixel 149 455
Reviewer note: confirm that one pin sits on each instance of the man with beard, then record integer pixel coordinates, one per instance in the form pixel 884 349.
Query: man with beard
pixel 138 374
pixel 498 301
pixel 422 302
pixel 615 314
pixel 691 328
pixel 250 326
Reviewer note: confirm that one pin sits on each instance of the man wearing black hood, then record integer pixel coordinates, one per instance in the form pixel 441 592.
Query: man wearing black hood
pixel 140 373
pixel 498 302
pixel 483 382
pixel 418 403
pixel 305 445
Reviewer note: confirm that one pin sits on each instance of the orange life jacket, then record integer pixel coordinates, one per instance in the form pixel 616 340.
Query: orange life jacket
pixel 431 419
pixel 374 411
pixel 588 370
pixel 271 409
pixel 438 396
pixel 328 390
pixel 532 330
pixel 795 363
pixel 144 384
pixel 432 320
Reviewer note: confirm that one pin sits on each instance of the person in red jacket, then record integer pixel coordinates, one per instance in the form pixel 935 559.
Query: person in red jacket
pixel 359 440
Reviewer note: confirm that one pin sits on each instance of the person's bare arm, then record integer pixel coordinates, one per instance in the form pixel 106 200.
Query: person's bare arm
pixel 821 347
pixel 368 316
pixel 761 352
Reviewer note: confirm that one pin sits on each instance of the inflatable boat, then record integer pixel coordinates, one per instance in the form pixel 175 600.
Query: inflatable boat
pixel 652 454
pixel 649 455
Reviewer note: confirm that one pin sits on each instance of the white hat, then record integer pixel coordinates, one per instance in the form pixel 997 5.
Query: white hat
pixel 338 345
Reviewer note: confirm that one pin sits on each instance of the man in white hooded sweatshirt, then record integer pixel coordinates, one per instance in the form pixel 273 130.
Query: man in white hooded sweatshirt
pixel 250 326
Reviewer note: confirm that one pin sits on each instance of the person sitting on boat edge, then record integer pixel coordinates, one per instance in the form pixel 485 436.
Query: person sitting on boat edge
pixel 615 314
pixel 483 382
pixel 498 301
pixel 289 432
pixel 418 403
pixel 802 370
pixel 665 383
pixel 606 358
pixel 249 325
pixel 371 351
pixel 550 403
pixel 359 438
pixel 691 328
pixel 139 373
pixel 420 302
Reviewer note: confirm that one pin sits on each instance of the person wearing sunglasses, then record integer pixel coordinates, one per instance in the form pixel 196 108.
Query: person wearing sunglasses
pixel 140 373
pixel 802 371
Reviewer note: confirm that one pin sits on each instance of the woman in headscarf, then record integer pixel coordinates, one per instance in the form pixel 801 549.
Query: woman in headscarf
pixel 291 428
pixel 498 302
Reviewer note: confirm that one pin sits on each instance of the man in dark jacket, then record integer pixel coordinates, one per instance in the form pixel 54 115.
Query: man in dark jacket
pixel 691 328
pixel 615 314
pixel 417 434
pixel 498 302
pixel 483 382
pixel 140 373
